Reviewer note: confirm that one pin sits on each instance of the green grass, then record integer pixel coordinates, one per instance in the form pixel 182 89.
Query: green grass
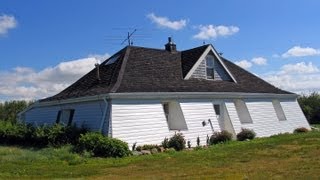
pixel 294 156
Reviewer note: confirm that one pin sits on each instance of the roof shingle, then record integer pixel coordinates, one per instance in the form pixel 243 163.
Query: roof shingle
pixel 140 69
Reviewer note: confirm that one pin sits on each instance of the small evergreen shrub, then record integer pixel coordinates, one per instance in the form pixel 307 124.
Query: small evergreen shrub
pixel 177 142
pixel 246 134
pixel 101 146
pixel 301 130
pixel 220 137
pixel 198 141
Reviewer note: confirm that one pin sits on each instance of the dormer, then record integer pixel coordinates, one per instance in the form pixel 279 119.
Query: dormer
pixel 209 66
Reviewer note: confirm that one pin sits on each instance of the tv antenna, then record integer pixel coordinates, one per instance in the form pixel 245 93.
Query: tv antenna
pixel 128 39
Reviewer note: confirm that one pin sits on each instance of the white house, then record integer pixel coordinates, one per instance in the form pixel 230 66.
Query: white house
pixel 143 95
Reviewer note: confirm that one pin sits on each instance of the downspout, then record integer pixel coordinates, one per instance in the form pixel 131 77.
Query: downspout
pixel 104 115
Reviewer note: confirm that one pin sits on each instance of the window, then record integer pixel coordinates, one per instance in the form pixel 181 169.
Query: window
pixel 243 112
pixel 112 60
pixel 210 67
pixel 279 111
pixel 174 116
pixel 65 117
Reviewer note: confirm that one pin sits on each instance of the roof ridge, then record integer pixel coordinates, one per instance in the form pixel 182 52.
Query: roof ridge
pixel 206 45
pixel 122 70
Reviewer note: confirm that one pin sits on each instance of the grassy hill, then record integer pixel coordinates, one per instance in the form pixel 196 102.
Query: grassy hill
pixel 289 156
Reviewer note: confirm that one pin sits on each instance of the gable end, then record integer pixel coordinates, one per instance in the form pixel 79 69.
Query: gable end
pixel 220 71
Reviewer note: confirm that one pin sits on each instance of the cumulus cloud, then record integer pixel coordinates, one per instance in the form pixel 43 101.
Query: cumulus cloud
pixel 100 57
pixel 298 51
pixel 210 31
pixel 7 22
pixel 299 78
pixel 299 68
pixel 260 61
pixel 244 64
pixel 166 23
pixel 27 83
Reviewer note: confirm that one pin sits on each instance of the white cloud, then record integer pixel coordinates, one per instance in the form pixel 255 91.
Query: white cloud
pixel 211 31
pixel 166 23
pixel 260 61
pixel 299 78
pixel 298 51
pixel 7 22
pixel 244 64
pixel 299 68
pixel 27 83
pixel 100 57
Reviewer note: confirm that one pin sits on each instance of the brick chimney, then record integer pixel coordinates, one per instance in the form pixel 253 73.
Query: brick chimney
pixel 170 46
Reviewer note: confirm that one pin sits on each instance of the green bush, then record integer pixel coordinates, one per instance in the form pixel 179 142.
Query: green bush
pixel 165 143
pixel 220 137
pixel 27 135
pixel 101 146
pixel 246 134
pixel 177 142
pixel 148 147
pixel 301 130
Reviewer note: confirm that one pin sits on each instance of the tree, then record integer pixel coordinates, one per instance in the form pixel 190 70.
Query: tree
pixel 310 105
pixel 10 109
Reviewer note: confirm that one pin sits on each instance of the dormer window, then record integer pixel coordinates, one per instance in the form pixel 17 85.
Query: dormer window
pixel 210 67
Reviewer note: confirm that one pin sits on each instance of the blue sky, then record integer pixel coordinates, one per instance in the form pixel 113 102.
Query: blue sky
pixel 46 45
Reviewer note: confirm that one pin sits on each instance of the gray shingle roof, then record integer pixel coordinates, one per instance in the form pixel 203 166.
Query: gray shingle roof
pixel 140 69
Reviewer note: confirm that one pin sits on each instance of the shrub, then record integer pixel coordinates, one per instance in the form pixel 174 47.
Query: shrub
pixel 220 137
pixel 246 134
pixel 165 143
pixel 27 135
pixel 101 146
pixel 300 130
pixel 177 142
pixel 198 141
pixel 148 147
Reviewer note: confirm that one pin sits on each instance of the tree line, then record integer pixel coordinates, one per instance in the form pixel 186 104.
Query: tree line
pixel 310 105
pixel 9 110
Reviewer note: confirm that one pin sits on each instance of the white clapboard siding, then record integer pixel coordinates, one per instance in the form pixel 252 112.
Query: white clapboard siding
pixel 264 119
pixel 42 115
pixel 233 115
pixel 195 113
pixel 294 115
pixel 86 114
pixel 141 123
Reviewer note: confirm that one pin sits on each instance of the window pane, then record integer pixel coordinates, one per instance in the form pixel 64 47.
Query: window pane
pixel 209 62
pixel 210 73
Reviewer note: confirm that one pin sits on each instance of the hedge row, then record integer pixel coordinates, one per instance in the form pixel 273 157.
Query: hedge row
pixel 28 135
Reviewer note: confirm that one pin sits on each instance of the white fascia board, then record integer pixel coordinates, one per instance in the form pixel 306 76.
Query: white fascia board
pixel 200 95
pixel 224 66
pixel 205 53
pixel 72 100
pixel 169 95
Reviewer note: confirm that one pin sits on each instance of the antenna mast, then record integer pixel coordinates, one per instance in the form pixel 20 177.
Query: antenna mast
pixel 129 38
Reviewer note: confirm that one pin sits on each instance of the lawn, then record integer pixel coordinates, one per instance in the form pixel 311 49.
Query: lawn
pixel 289 156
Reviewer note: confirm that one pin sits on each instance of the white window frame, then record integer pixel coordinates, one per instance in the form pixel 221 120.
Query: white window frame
pixel 210 58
